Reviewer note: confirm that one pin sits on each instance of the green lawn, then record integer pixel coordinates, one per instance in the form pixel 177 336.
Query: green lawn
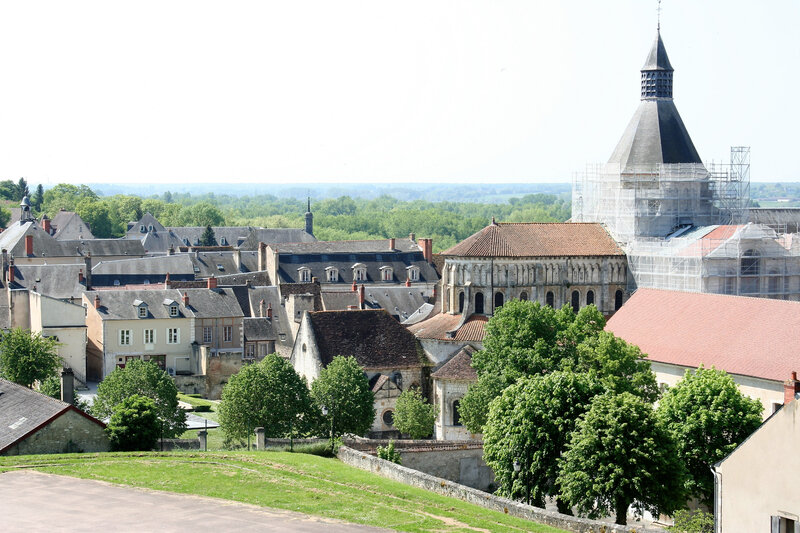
pixel 291 481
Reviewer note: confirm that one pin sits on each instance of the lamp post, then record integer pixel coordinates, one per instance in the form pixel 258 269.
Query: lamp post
pixel 325 413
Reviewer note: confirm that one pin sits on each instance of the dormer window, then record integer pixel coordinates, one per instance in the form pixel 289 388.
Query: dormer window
pixel 304 274
pixel 220 267
pixel 186 241
pixel 413 273
pixel 150 227
pixel 332 274
pixel 141 228
pixel 142 311
pixel 387 273
pixel 173 310
pixel 223 241
pixel 359 272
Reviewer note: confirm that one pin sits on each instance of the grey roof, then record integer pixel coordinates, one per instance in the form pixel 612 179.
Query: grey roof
pixel 56 281
pixel 225 235
pixel 401 302
pixel 785 219
pixel 146 221
pixel 158 242
pixel 368 246
pixel 174 264
pixel 258 329
pixel 655 135
pixel 657 58
pixel 223 263
pixel 275 236
pixel 424 311
pixel 338 300
pixel 69 225
pixel 203 303
pixel 106 247
pixel 23 411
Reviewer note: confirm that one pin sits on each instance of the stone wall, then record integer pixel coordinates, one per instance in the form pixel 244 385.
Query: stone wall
pixel 464 466
pixel 71 432
pixel 411 477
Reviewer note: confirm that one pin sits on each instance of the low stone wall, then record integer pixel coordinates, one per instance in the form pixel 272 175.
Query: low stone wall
pixel 178 444
pixel 408 476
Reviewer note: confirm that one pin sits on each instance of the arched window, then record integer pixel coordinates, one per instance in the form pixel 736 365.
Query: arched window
pixel 456 414
pixel 498 300
pixel 749 270
pixel 479 302
pixel 523 296
pixel 331 274
pixel 589 297
pixel 549 299
pixel 461 302
pixel 617 300
pixel 576 301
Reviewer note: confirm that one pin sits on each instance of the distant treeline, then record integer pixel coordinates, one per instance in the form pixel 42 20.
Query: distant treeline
pixel 334 218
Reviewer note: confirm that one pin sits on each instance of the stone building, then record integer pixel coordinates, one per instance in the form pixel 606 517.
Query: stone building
pixel 450 384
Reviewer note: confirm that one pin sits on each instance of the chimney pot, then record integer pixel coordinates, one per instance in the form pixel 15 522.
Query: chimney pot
pixel 11 273
pixel 408 282
pixel 185 299
pixel 212 282
pixel 355 288
pixel 80 276
pixel 96 301
pixel 28 245
pixel 269 311
pixel 46 224
pixel 391 243
pixel 361 296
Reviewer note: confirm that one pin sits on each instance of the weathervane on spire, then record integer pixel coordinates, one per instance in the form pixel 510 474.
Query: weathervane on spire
pixel 658 27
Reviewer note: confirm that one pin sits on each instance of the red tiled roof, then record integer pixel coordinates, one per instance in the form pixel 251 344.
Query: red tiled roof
pixel 537 240
pixel 436 327
pixel 755 337
pixel 459 367
pixel 710 241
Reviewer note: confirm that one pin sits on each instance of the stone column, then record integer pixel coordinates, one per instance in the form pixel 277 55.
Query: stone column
pixel 202 436
pixel 259 438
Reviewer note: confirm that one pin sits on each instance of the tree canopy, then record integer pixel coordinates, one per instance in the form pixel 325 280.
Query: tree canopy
pixel 146 379
pixel 268 394
pixel 134 425
pixel 343 390
pixel 707 416
pixel 413 415
pixel 27 357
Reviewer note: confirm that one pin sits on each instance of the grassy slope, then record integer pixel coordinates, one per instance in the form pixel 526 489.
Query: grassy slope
pixel 296 482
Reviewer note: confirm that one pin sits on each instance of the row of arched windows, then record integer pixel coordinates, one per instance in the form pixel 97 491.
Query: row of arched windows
pixel 549 299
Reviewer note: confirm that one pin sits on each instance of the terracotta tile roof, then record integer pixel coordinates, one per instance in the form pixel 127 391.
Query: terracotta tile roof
pixel 459 367
pixel 373 337
pixel 438 326
pixel 748 336
pixel 537 240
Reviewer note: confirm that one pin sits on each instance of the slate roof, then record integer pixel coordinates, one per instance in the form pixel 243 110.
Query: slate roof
pixel 56 281
pixel 45 245
pixel 537 239
pixel 439 326
pixel 785 218
pixel 349 247
pixel 158 242
pixel 657 58
pixel 147 220
pixel 338 300
pixel 144 270
pixel 400 301
pixel 458 367
pixel 203 303
pixel 24 411
pixel 274 236
pixel 373 337
pixel 747 336
pixel 69 225
pixel 258 329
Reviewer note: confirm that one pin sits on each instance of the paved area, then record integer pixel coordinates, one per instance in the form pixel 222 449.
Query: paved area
pixel 32 501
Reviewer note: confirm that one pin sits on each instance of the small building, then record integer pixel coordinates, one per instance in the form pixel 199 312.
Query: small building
pixel 450 384
pixel 33 423
pixel 389 354
pixel 755 487
pixel 754 340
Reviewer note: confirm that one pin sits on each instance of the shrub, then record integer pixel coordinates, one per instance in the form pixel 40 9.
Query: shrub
pixel 692 522
pixel 389 453
pixel 134 424
pixel 413 415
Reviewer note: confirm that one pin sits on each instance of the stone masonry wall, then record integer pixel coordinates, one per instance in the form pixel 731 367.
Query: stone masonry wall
pixel 69 433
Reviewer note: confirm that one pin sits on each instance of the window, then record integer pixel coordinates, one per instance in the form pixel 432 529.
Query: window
pixel 617 300
pixel 304 274
pixel 413 273
pixel 142 311
pixel 387 273
pixel 149 336
pixel 173 310
pixel 498 300
pixel 388 417
pixel 576 301
pixel 549 299
pixel 750 263
pixel 208 334
pixel 456 414
pixel 173 335
pixel 479 303
pixel 124 337
pixel 461 302
pixel 589 297
pixel 359 272
pixel 227 333
pixel 250 351
pixel 141 228
pixel 332 274
pixel 523 296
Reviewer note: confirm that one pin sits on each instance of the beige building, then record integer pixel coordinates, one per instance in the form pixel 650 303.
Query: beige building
pixel 450 384
pixel 755 487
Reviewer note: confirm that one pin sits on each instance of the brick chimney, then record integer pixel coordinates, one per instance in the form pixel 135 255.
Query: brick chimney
pixel 96 301
pixel 29 245
pixel 67 385
pixel 46 224
pixel 361 296
pixel 269 311
pixel 186 299
pixel 355 288
pixel 11 273
pixel 427 249
pixel 80 276
pixel 166 281
pixel 408 282
pixel 391 243
pixel 211 282
pixel 791 387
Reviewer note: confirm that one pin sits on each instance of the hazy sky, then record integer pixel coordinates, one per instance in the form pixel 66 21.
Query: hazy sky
pixel 343 91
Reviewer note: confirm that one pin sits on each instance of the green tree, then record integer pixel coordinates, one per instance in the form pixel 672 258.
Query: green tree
pixel 208 238
pixel 697 521
pixel 144 378
pixel 618 456
pixel 22 190
pixel 134 425
pixel 343 390
pixel 8 190
pixel 51 386
pixel 202 214
pixel 474 406
pixel 531 424
pixel 707 416
pixel 413 415
pixel 65 196
pixel 26 357
pixel 38 198
pixel 268 394
pixel 5 216
pixel 97 215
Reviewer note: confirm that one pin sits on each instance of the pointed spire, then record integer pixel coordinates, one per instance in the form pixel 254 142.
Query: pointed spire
pixel 657 72
pixel 308 209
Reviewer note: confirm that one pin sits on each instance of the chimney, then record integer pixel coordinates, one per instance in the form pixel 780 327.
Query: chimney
pixel 46 224
pixel 171 250
pixel 427 249
pixel 96 301
pixel 262 256
pixel 791 387
pixel 237 259
pixel 261 308
pixel 361 296
pixel 408 282
pixel 269 311
pixel 211 282
pixel 391 243
pixel 67 385
pixel 87 261
pixel 5 263
pixel 186 299
pixel 29 245
pixel 11 273
pixel 80 276
pixel 166 281
pixel 355 288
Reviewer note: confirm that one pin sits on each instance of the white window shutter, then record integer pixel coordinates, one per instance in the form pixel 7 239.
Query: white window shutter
pixel 776 524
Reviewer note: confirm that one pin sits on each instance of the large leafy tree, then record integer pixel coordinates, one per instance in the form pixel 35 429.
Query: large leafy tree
pixel 268 394
pixel 146 379
pixel 66 196
pixel 707 416
pixel 620 455
pixel 27 357
pixel 202 214
pixel 343 390
pixel 96 213
pixel 530 424
pixel 413 415
pixel 134 425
